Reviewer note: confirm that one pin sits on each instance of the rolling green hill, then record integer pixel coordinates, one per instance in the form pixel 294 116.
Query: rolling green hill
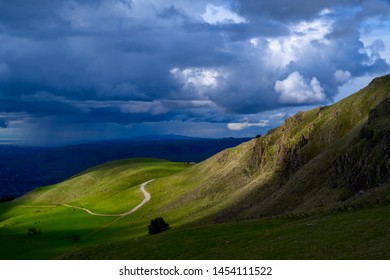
pixel 111 188
pixel 26 168
pixel 316 187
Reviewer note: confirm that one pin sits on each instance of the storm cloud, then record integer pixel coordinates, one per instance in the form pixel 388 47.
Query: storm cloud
pixel 3 123
pixel 123 63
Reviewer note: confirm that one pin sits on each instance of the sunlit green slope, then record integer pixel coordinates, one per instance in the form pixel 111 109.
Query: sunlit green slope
pixel 111 188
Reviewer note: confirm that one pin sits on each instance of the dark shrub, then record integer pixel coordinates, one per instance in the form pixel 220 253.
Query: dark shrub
pixel 157 225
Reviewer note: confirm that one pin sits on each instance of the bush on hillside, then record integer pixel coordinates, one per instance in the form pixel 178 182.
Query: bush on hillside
pixel 157 225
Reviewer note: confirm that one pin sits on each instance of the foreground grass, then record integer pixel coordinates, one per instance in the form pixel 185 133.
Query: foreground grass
pixel 178 198
pixel 358 235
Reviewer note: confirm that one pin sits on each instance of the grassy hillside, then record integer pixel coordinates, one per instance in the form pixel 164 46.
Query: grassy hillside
pixel 25 168
pixel 109 188
pixel 322 175
pixel 354 235
pixel 317 158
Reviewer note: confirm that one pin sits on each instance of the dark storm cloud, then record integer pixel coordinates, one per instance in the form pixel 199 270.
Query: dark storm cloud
pixel 172 12
pixel 3 123
pixel 17 12
pixel 286 10
pixel 125 62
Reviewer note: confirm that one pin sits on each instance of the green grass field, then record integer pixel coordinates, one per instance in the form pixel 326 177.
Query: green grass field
pixel 75 234
pixel 358 235
pixel 94 189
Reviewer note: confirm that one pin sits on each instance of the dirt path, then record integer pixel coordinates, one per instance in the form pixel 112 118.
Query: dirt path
pixel 146 199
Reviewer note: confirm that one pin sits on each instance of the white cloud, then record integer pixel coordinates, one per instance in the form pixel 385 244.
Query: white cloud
pixel 254 42
pixel 284 50
pixel 243 125
pixel 326 11
pixel 383 34
pixel 201 77
pixel 277 116
pixel 374 51
pixel 313 30
pixel 221 15
pixel 294 90
pixel 198 80
pixel 342 77
pixel 197 76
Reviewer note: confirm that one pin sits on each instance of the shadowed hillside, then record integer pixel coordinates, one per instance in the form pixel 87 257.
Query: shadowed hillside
pixel 315 159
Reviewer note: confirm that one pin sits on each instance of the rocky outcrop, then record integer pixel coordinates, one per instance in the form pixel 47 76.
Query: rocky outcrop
pixel 291 159
pixel 373 166
pixel 366 164
pixel 257 157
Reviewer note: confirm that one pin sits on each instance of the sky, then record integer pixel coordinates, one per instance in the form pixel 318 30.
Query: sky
pixel 74 71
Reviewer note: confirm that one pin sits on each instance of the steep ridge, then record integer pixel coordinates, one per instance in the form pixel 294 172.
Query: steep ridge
pixel 315 159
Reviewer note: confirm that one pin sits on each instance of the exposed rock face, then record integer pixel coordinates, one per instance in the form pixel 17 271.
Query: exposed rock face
pixel 363 163
pixel 289 159
pixel 257 157
pixel 372 168
pixel 367 169
pixel 366 164
pixel 385 144
pixel 382 109
pixel 342 164
pixel 293 158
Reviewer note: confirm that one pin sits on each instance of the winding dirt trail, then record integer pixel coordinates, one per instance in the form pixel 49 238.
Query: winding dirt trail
pixel 146 199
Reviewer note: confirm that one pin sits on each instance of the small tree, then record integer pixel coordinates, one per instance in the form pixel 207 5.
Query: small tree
pixel 157 225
